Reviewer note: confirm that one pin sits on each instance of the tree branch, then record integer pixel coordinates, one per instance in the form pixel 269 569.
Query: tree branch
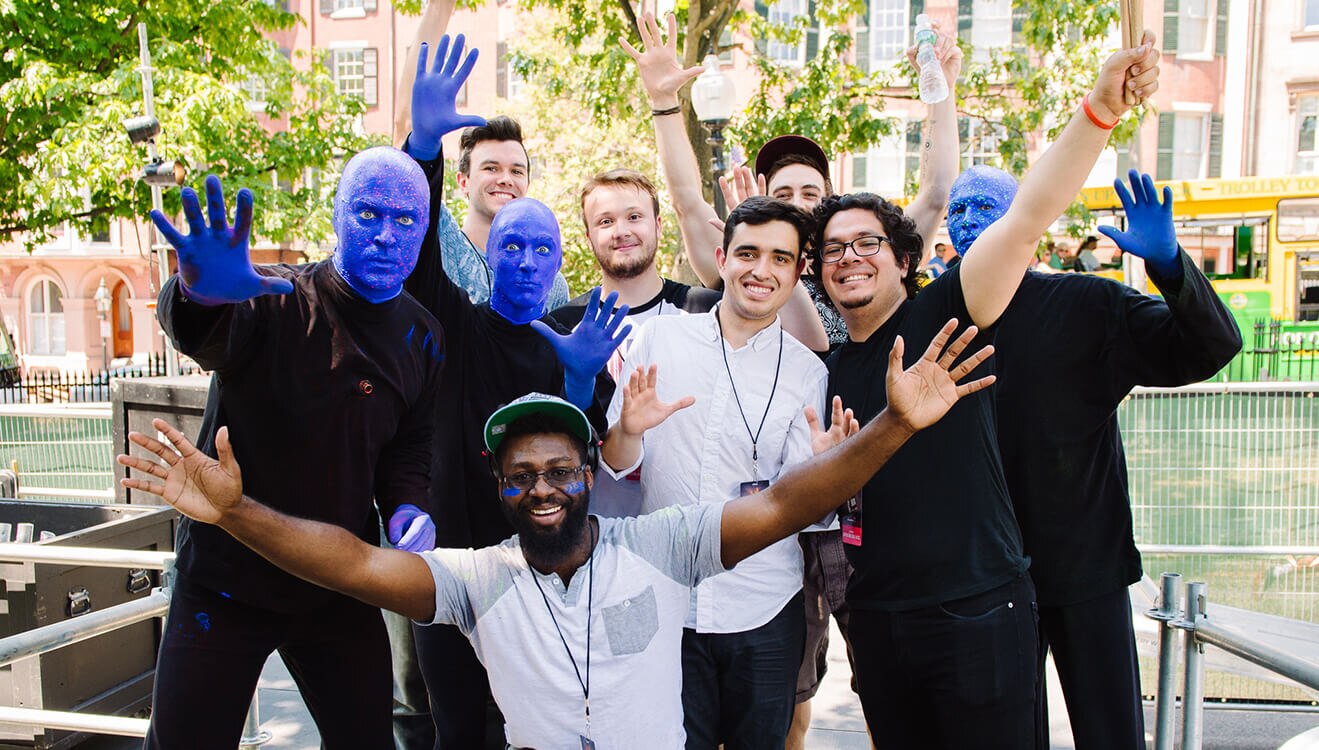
pixel 28 227
pixel 631 16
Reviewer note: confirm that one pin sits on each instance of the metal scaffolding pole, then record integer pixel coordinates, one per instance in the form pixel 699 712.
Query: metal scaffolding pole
pixel 158 245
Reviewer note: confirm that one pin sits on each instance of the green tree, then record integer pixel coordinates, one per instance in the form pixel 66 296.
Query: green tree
pixel 69 73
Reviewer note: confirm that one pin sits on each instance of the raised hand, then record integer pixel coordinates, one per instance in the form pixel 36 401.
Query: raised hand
pixel 411 529
pixel 1136 69
pixel 214 265
pixel 586 350
pixel 947 52
pixel 642 408
pixel 920 395
pixel 435 97
pixel 843 425
pixel 661 72
pixel 1150 234
pixel 199 486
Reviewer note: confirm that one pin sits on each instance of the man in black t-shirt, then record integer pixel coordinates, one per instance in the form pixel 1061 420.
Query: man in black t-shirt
pixel 942 626
pixel 1070 348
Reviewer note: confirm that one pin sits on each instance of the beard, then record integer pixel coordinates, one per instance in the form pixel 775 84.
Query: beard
pixel 551 544
pixel 626 268
pixel 857 303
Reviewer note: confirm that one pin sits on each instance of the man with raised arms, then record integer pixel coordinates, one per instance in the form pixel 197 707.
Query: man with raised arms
pixel 579 618
pixel 1071 347
pixel 943 626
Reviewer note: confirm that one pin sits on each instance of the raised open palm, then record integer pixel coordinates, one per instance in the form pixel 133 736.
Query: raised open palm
pixel 199 486
pixel 642 407
pixel 921 394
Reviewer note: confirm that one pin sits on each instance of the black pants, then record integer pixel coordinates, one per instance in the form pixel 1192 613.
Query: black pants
pixel 465 717
pixel 955 675
pixel 1094 651
pixel 739 689
pixel 212 653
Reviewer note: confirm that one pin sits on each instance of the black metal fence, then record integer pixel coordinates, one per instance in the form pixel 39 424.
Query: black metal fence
pixel 47 387
pixel 1273 351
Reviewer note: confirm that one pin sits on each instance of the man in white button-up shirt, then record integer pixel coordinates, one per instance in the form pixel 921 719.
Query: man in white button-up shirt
pixel 751 383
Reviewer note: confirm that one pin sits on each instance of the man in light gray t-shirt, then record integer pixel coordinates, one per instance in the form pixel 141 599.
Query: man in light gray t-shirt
pixel 577 619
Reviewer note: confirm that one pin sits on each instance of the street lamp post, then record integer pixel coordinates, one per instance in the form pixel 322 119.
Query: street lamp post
pixel 713 99
pixel 102 298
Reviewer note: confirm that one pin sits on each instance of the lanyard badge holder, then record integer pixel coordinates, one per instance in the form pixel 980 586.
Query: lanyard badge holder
pixel 755 485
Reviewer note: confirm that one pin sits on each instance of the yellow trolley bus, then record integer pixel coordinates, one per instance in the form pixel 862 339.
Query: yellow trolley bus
pixel 1257 238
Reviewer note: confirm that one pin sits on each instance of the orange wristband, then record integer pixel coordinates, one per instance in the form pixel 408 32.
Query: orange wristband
pixel 1085 105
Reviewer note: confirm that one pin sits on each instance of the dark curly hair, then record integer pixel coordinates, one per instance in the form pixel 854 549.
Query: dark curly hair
pixel 901 230
pixel 761 209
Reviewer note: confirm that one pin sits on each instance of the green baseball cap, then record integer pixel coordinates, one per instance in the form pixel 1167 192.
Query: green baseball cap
pixel 536 403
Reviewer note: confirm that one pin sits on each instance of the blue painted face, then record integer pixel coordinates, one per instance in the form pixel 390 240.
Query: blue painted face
pixel 381 210
pixel 980 197
pixel 525 253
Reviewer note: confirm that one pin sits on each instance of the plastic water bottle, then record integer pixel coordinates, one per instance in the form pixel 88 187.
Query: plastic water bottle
pixel 933 86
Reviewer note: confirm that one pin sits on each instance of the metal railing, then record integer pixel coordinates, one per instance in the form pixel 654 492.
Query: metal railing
pixel 1270 353
pixel 57 635
pixel 60 387
pixel 1285 647
pixel 1224 484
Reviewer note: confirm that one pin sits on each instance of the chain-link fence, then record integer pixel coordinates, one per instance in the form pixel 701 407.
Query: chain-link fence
pixel 59 451
pixel 1225 489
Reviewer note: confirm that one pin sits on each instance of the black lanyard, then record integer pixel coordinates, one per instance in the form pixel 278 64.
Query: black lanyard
pixel 755 437
pixel 590 594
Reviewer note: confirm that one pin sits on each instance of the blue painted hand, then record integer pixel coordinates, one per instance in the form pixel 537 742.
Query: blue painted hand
pixel 381 210
pixel 525 252
pixel 411 529
pixel 586 350
pixel 435 97
pixel 214 265
pixel 1150 233
pixel 979 197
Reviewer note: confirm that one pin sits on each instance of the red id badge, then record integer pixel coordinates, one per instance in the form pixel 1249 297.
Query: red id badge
pixel 587 744
pixel 751 488
pixel 849 518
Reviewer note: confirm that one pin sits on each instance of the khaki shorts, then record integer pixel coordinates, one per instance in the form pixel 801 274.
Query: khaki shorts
pixel 825 588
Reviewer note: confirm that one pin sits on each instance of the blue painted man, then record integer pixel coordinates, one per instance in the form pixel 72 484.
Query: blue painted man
pixel 497 351
pixel 1070 348
pixel 324 375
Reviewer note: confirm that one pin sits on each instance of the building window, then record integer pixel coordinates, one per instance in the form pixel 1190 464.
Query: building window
pixel 354 73
pixel 45 318
pixel 1307 146
pixel 1188 146
pixel 888 31
pixel 980 141
pixel 991 27
pixel 890 166
pixel 784 13
pixel 255 89
pixel 1193 20
pixel 1311 13
pixel 346 8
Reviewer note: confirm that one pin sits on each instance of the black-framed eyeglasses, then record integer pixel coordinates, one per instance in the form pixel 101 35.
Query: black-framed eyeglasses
pixel 870 244
pixel 558 477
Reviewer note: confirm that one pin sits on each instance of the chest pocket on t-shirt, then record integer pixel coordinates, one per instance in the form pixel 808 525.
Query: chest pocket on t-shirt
pixel 631 624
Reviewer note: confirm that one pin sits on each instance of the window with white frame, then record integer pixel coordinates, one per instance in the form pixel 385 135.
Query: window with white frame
pixel 888 31
pixel 980 141
pixel 888 167
pixel 45 318
pixel 255 88
pixel 347 4
pixel 1310 14
pixel 1194 27
pixel 991 27
pixel 1190 145
pixel 354 71
pixel 1307 144
pixel 785 13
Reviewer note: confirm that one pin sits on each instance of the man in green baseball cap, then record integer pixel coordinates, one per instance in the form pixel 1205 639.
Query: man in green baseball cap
pixel 578 619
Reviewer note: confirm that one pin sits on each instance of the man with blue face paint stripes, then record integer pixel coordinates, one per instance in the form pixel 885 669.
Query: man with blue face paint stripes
pixel 328 372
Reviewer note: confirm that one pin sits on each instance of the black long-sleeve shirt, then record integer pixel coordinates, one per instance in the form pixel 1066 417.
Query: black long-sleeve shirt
pixel 328 400
pixel 1069 348
pixel 490 362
